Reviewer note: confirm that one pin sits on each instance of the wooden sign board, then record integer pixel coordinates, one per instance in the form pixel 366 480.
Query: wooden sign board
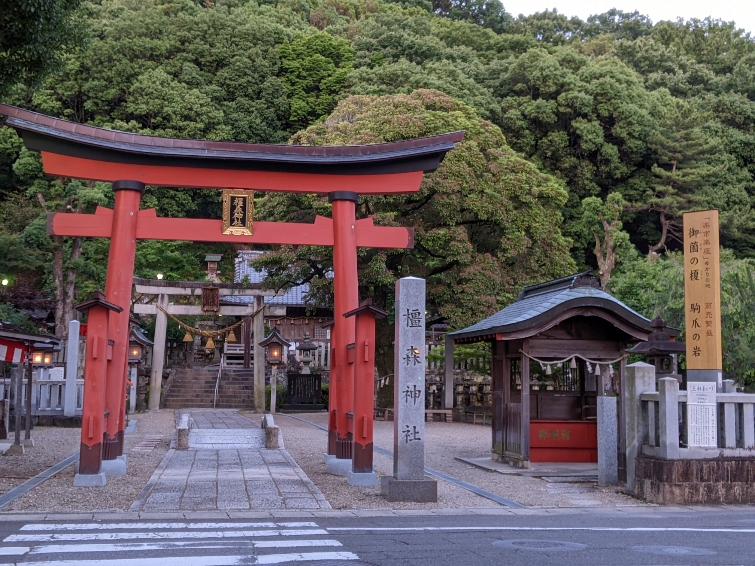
pixel 702 290
pixel 238 212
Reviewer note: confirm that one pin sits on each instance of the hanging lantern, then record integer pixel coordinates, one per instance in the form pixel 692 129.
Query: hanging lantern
pixel 548 369
pixel 573 364
pixel 231 337
pixel 210 345
pixel 188 337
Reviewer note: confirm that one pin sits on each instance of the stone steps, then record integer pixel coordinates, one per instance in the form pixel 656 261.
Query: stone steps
pixel 196 389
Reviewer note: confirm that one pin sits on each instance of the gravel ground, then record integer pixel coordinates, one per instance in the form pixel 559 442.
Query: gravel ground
pixel 58 494
pixel 443 441
pixel 51 445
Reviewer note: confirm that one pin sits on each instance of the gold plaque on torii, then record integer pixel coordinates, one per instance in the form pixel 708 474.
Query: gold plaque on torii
pixel 238 212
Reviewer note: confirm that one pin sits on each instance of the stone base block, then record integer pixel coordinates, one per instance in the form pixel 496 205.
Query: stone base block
pixel 272 436
pixel 114 468
pixel 15 450
pixel 415 491
pixel 326 457
pixel 680 482
pixel 90 480
pixel 28 442
pixel 363 479
pixel 338 466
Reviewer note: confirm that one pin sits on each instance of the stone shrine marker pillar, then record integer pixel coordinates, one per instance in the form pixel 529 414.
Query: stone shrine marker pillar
pixel 408 482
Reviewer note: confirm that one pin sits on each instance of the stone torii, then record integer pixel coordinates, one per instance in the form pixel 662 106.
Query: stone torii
pixel 131 161
pixel 164 290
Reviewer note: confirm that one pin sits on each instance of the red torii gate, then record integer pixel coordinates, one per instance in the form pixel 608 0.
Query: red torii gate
pixel 131 161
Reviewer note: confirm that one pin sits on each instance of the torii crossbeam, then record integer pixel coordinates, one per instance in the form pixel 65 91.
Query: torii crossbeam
pixel 130 161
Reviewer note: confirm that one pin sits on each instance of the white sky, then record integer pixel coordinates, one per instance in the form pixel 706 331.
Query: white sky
pixel 740 11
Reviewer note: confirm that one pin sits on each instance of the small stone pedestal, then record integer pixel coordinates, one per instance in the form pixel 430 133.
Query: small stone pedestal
pixel 414 491
pixel 114 468
pixel 15 450
pixel 338 466
pixel 363 479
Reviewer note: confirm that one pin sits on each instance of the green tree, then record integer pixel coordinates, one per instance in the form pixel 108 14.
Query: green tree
pixel 485 222
pixel 314 69
pixel 34 35
pixel 683 156
pixel 603 221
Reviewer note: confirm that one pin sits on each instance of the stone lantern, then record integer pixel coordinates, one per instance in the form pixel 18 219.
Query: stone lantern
pixel 306 348
pixel 660 350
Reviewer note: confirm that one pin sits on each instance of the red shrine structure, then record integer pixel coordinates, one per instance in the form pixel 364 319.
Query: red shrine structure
pixel 131 161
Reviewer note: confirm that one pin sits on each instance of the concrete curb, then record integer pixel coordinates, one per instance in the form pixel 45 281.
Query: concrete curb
pixel 366 513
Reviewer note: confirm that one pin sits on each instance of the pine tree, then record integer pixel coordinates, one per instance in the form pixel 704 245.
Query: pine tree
pixel 684 158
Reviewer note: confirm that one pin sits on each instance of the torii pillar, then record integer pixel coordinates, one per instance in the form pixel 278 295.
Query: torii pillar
pixel 99 352
pixel 363 362
pixel 120 276
pixel 346 298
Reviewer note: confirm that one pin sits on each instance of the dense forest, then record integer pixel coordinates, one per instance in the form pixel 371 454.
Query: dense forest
pixel 586 141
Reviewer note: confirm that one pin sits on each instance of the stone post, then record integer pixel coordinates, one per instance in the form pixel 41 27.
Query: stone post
pixel 608 435
pixel 132 390
pixel 408 482
pixel 640 379
pixel 72 368
pixel 158 353
pixel 258 324
pixel 448 374
pixel 668 416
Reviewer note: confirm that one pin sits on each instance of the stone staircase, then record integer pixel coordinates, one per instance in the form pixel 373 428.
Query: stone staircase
pixel 195 388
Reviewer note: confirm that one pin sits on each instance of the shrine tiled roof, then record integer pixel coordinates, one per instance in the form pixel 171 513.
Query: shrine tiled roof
pixel 295 296
pixel 538 303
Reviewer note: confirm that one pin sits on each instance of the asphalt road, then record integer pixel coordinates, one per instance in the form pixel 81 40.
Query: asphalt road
pixel 647 536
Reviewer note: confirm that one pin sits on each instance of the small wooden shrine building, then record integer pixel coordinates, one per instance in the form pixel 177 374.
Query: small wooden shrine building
pixel 555 349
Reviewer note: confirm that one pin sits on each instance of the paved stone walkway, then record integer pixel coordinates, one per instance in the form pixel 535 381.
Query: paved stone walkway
pixel 242 476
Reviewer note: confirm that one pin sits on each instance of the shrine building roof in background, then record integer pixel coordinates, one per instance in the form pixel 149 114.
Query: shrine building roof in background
pixel 541 306
pixel 293 297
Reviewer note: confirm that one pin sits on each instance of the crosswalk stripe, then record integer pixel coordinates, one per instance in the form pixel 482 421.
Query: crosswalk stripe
pixel 141 546
pixel 305 557
pixel 14 550
pixel 164 561
pixel 53 537
pixel 129 547
pixel 207 560
pixel 119 526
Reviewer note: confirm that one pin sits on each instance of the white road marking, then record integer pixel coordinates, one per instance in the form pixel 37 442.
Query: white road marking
pixel 141 546
pixel 127 547
pixel 163 561
pixel 613 529
pixel 119 526
pixel 294 543
pixel 207 560
pixel 53 537
pixel 305 557
pixel 14 550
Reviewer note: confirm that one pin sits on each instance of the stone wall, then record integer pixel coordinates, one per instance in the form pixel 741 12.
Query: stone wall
pixel 720 480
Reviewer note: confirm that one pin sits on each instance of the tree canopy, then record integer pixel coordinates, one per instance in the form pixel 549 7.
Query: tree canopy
pixel 586 139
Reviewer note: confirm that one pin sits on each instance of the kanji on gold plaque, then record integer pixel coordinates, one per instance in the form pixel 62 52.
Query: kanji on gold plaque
pixel 238 212
pixel 702 290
